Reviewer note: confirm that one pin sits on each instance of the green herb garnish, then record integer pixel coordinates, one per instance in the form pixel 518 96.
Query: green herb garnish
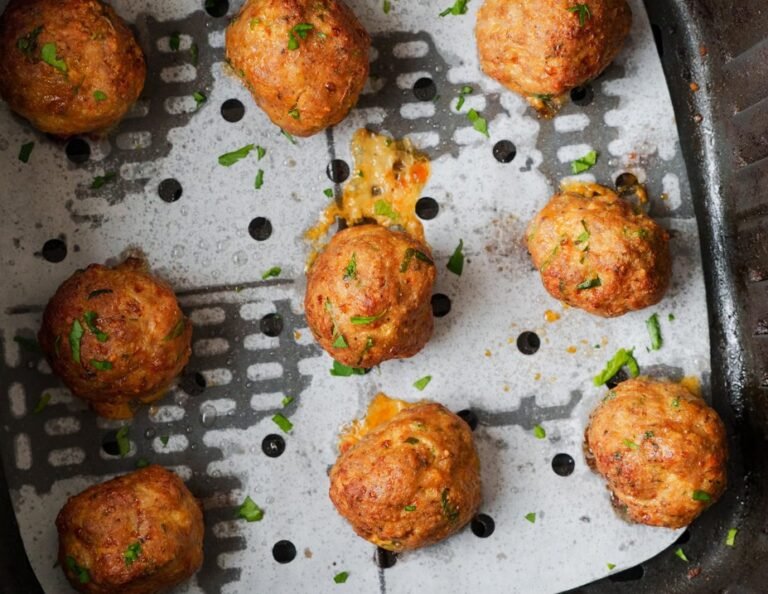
pixel 174 41
pixel 294 113
pixel 671 317
pixel 630 444
pixel 584 236
pixel 341 370
pixel 177 330
pixel 410 508
pixel 288 135
pixel 199 98
pixel 90 318
pixel 100 365
pixel 350 271
pixel 465 90
pixel 164 439
pixel 387 6
pixel 539 432
pixel 82 573
pixel 100 95
pixel 422 383
pixel 123 441
pixel 362 320
pixel 282 422
pixel 259 181
pixel 28 344
pixel 26 151
pixel 132 553
pixel 589 283
pixel 301 30
pixel 730 540
pixel 229 159
pixel 102 180
pixel 42 403
pixel 583 11
pixel 260 152
pixel 701 496
pixel 449 511
pixel 679 552
pixel 459 7
pixel 456 261
pixel 75 337
pixel 272 272
pixel 620 359
pixel 384 208
pixel 142 463
pixel 328 192
pixel 249 511
pixel 48 54
pixel 28 44
pixel 649 434
pixel 286 401
pixel 341 577
pixel 478 123
pixel 531 517
pixel 611 566
pixel 340 342
pixel 585 163
pixel 654 331
pixel 410 254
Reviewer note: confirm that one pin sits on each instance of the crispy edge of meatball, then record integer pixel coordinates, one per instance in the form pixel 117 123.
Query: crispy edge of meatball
pixel 637 467
pixel 399 313
pixel 132 379
pixel 595 252
pixel 423 463
pixel 313 86
pixel 96 531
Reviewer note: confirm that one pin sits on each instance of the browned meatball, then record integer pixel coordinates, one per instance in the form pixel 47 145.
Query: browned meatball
pixel 304 61
pixel 68 66
pixel 661 449
pixel 140 533
pixel 597 252
pixel 412 481
pixel 544 49
pixel 368 296
pixel 115 336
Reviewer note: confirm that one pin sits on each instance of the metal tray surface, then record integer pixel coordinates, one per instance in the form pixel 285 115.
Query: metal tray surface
pixel 251 346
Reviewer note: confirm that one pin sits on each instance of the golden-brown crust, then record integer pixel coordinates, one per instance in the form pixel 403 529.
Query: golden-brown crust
pixel 411 482
pixel 587 232
pixel 388 286
pixel 657 444
pixel 145 338
pixel 542 48
pixel 152 507
pixel 313 86
pixel 100 53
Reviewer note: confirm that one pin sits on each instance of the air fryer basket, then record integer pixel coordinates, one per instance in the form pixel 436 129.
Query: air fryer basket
pixel 725 144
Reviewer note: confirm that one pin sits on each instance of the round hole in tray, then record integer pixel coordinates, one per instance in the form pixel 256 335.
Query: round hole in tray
pixel 260 228
pixel 427 208
pixel 170 190
pixel 684 537
pixel 626 180
pixel 384 558
pixel 232 110
pixel 469 417
pixel 78 150
pixel 441 305
pixel 504 151
pixel 337 171
pixel 621 376
pixel 582 95
pixel 425 89
pixel 284 551
pixel 216 8
pixel 563 464
pixel 271 324
pixel 528 342
pixel 54 250
pixel 628 575
pixel 482 525
pixel 109 443
pixel 273 445
pixel 193 383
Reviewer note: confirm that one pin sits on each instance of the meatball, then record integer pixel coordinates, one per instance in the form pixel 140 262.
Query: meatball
pixel 662 450
pixel 412 481
pixel 115 336
pixel 597 252
pixel 368 296
pixel 137 534
pixel 304 61
pixel 544 49
pixel 68 66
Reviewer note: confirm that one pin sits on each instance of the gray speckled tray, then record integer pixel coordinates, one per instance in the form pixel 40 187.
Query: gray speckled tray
pixel 246 360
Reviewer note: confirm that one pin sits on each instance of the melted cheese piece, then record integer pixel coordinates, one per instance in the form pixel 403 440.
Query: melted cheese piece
pixel 384 186
pixel 381 409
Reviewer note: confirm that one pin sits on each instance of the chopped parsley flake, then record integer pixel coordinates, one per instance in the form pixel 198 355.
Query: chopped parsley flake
pixel 28 344
pixel 387 6
pixel 260 152
pixel 229 159
pixel 299 31
pixel 350 271
pixel 584 236
pixel 730 540
pixel 456 261
pixel 363 320
pixel 449 511
pixel 584 163
pixel 288 135
pixel 328 192
pixel 142 463
pixel 177 330
pixel 531 517
pixel 671 317
pixel 48 54
pixel 422 383
pixel 340 342
pixel 654 331
pixel 583 11
pixel 100 95
pixel 701 496
pixel 341 577
pixel 164 439
pixel 589 283
pixel 272 272
pixel 123 441
pixel 410 254
pixel 101 365
pixel 384 208
pixel 174 41
pixel 132 553
pixel 649 434
pixel 282 422
pixel 249 511
pixel 42 403
pixel 410 508
pixel 294 113
pixel 681 554
pixel 286 401
pixel 75 337
pixel 26 151
pixel 259 181
pixel 199 98
pixel 459 7
pixel 90 318
pixel 478 123
pixel 539 432
pixel 611 566
pixel 102 180
pixel 630 444
pixel 620 359
pixel 28 44
pixel 465 90
pixel 341 370
pixel 82 573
